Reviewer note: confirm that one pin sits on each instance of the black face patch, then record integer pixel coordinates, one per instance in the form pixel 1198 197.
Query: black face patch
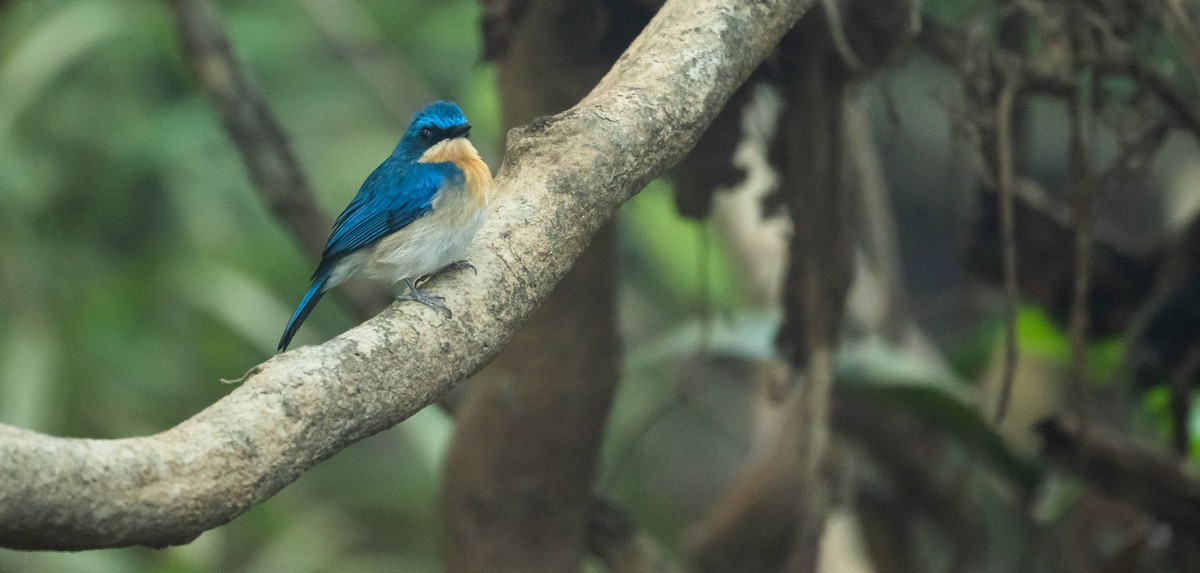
pixel 430 135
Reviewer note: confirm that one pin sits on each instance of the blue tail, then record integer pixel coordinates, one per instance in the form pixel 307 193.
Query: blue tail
pixel 306 305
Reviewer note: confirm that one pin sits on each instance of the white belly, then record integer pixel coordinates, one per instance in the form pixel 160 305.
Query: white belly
pixel 424 246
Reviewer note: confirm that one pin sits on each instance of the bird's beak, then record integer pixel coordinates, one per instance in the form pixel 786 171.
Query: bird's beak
pixel 460 131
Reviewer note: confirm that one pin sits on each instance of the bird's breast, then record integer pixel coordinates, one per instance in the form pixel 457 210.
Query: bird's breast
pixel 477 178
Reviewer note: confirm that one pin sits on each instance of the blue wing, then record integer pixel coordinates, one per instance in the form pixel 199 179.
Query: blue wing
pixel 389 200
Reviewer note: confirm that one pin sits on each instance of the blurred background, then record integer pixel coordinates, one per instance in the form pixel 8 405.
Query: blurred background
pixel 138 268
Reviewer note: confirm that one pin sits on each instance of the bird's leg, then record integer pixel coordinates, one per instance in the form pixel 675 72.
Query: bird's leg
pixel 456 266
pixel 431 301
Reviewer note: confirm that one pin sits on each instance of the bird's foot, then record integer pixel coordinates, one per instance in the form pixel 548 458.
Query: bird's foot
pixel 432 301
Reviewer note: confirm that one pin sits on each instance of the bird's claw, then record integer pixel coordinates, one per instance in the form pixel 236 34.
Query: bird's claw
pixel 432 301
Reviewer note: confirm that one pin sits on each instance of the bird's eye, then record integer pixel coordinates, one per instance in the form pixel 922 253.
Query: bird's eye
pixel 426 135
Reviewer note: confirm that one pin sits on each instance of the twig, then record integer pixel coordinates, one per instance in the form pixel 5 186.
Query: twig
pixel 948 46
pixel 1008 238
pixel 1082 184
pixel 563 177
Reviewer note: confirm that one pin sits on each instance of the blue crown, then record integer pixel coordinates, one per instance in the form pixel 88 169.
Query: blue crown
pixel 438 115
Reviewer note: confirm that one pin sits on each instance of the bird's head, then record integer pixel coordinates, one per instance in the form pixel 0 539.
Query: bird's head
pixel 437 122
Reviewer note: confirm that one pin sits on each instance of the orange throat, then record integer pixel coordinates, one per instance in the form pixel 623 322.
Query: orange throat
pixel 459 151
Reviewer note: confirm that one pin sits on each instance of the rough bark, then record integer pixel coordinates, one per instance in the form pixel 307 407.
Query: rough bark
pixel 562 178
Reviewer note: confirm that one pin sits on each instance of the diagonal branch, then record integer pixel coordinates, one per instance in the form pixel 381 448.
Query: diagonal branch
pixel 278 178
pixel 562 179
pixel 245 115
pixel 1154 482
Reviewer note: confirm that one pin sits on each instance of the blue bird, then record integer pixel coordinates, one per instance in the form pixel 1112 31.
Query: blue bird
pixel 415 215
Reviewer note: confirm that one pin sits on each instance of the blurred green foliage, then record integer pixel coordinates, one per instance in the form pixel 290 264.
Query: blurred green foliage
pixel 138 268
pixel 929 396
pixel 679 259
pixel 1156 406
pixel 1038 334
pixel 958 12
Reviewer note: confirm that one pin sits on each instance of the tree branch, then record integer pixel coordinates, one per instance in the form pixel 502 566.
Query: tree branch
pixel 563 177
pixel 1156 483
pixel 1081 185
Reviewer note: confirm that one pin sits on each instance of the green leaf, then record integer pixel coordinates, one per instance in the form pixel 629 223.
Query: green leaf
pixel 1038 334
